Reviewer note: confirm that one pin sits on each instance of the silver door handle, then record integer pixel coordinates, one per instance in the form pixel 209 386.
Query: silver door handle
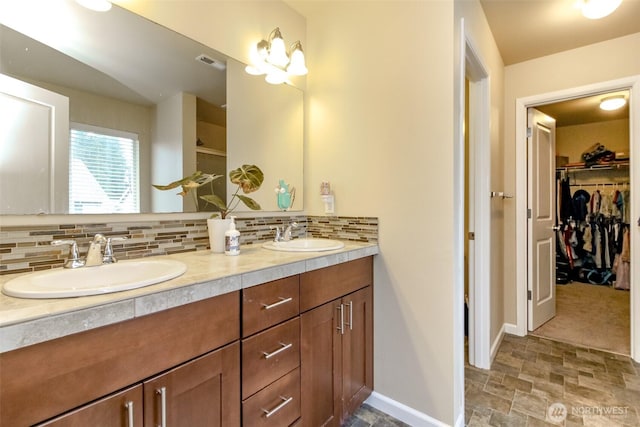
pixel 163 406
pixel 556 228
pixel 285 402
pixel 129 408
pixel 281 349
pixel 341 327
pixel 350 323
pixel 275 304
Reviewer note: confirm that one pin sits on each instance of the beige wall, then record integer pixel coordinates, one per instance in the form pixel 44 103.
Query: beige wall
pixel 380 129
pixel 572 141
pixel 578 67
pixel 231 27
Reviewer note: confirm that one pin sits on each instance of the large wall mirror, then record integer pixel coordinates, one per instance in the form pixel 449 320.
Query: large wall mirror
pixel 84 94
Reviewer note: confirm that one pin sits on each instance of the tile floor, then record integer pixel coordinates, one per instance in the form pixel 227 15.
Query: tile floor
pixel 367 416
pixel 531 376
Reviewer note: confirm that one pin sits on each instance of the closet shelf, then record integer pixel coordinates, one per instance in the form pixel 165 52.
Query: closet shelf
pixel 600 166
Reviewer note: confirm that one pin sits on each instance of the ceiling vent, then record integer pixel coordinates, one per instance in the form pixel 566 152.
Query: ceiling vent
pixel 211 62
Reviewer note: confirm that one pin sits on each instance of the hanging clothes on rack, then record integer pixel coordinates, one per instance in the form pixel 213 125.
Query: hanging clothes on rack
pixel 591 235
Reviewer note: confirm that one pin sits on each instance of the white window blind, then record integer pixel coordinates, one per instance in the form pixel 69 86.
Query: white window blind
pixel 103 171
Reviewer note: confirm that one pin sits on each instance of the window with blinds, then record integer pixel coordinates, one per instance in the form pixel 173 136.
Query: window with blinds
pixel 103 171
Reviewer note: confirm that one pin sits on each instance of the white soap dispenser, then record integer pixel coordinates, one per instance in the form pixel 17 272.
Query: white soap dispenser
pixel 232 239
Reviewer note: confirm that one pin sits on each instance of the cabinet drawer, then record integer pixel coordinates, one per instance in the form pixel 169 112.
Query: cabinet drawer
pixel 269 304
pixel 320 286
pixel 269 355
pixel 276 405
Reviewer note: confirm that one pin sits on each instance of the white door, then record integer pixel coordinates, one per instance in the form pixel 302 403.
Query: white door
pixel 34 148
pixel 541 292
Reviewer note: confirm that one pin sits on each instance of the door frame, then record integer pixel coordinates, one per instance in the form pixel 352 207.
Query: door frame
pixel 480 222
pixel 632 84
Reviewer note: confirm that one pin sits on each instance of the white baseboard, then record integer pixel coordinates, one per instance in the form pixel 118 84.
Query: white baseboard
pixel 404 413
pixel 512 329
pixel 496 343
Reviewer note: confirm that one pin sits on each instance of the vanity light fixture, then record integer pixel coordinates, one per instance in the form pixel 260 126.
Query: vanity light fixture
pixel 611 103
pixel 96 5
pixel 596 9
pixel 270 58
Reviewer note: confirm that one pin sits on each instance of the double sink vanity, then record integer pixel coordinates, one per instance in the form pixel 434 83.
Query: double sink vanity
pixel 271 337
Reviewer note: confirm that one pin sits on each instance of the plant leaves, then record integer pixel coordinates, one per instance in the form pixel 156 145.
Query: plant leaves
pixel 216 201
pixel 190 182
pixel 251 204
pixel 248 177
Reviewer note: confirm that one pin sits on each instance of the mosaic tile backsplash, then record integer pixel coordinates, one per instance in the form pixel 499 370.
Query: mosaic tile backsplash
pixel 27 248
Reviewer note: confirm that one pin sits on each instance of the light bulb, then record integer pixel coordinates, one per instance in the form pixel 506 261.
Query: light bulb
pixel 277 50
pixel 276 77
pixel 96 5
pixel 612 103
pixel 297 66
pixel 596 9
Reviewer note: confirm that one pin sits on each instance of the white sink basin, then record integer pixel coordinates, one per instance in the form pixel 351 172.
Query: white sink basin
pixel 304 245
pixel 104 279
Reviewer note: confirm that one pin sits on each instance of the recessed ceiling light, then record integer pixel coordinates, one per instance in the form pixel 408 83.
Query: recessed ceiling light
pixel 96 5
pixel 596 9
pixel 611 103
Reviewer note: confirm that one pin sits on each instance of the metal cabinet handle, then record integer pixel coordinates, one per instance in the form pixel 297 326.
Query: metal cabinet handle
pixel 281 349
pixel 129 407
pixel 275 304
pixel 350 323
pixel 285 402
pixel 163 406
pixel 341 327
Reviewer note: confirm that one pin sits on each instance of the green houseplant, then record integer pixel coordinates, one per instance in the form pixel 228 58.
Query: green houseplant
pixel 248 178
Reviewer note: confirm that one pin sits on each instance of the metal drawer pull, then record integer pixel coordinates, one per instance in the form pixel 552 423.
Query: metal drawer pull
pixel 129 408
pixel 285 402
pixel 275 304
pixel 281 349
pixel 341 327
pixel 350 323
pixel 163 406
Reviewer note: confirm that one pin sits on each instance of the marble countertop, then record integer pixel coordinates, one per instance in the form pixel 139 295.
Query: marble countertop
pixel 25 322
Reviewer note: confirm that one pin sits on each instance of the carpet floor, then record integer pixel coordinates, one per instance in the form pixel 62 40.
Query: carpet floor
pixel 591 316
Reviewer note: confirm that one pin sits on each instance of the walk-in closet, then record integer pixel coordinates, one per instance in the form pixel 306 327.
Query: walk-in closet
pixel 593 196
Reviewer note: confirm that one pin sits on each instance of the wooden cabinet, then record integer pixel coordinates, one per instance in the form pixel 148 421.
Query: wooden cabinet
pixel 271 353
pixel 294 351
pixel 123 409
pixel 45 380
pixel 337 345
pixel 203 392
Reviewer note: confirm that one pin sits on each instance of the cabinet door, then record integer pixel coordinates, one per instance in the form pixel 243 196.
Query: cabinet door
pixel 123 409
pixel 357 350
pixel 203 392
pixel 321 349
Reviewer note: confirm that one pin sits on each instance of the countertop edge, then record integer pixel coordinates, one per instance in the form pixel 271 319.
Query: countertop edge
pixel 32 331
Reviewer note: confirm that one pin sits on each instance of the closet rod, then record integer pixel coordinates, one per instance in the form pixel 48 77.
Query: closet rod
pixel 600 184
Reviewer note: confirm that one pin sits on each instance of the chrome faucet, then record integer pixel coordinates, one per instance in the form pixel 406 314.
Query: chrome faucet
pixel 94 255
pixel 74 260
pixel 287 231
pixel 284 234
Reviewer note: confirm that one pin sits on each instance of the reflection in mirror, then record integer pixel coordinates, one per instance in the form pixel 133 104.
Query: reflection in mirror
pixel 141 83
